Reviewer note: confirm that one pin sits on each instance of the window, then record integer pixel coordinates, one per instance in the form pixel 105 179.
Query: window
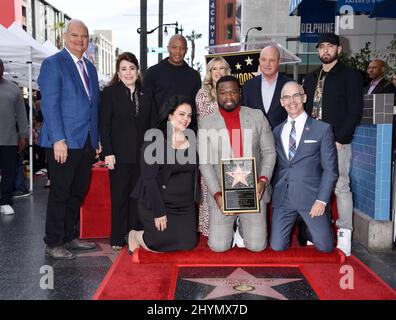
pixel 230 10
pixel 229 32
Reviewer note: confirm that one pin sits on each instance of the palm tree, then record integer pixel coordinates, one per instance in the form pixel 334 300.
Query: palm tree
pixel 192 37
pixel 58 27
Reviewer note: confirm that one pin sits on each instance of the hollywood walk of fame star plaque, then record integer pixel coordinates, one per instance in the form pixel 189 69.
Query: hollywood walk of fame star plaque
pixel 241 283
pixel 239 186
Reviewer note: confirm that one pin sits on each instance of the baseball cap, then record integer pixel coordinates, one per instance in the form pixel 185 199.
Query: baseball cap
pixel 328 37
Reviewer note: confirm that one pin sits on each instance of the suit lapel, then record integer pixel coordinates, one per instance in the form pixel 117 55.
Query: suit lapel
pixel 278 139
pixel 71 66
pixel 260 94
pixel 304 136
pixel 378 87
pixel 275 97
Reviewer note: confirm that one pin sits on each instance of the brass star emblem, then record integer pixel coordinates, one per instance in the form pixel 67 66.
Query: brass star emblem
pixel 241 281
pixel 239 176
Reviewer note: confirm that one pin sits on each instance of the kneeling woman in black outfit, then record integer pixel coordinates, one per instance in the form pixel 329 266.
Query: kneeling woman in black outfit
pixel 123 120
pixel 167 188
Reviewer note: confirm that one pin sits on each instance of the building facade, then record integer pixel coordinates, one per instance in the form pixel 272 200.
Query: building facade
pixel 101 49
pixel 38 18
pixel 230 20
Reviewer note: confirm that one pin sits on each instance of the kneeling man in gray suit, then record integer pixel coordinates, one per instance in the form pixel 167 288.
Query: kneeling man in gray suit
pixel 305 174
pixel 244 132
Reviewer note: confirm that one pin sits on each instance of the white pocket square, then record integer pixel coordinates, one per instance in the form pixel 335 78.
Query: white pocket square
pixel 310 141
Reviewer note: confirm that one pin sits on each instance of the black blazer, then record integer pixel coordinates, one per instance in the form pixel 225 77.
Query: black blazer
pixel 253 98
pixel 154 179
pixel 121 131
pixel 382 87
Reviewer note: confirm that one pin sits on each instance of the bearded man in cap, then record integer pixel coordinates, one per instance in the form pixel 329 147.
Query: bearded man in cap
pixel 335 95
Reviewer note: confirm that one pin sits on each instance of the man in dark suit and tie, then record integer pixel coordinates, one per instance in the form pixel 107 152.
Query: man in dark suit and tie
pixel 305 174
pixel 70 97
pixel 378 84
pixel 263 91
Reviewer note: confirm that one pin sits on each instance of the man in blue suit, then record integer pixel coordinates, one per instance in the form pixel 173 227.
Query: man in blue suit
pixel 70 98
pixel 305 174
pixel 263 91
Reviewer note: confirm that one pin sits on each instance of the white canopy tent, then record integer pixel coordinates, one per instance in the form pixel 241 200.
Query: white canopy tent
pixel 50 47
pixel 18 65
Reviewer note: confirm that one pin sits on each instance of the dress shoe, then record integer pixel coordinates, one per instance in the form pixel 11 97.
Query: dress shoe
pixel 59 253
pixel 133 244
pixel 7 210
pixel 80 245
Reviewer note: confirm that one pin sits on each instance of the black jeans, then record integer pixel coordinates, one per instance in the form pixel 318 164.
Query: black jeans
pixel 69 185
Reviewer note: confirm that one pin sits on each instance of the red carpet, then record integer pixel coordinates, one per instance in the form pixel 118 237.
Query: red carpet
pixel 202 255
pixel 132 281
pixel 95 218
pixel 154 277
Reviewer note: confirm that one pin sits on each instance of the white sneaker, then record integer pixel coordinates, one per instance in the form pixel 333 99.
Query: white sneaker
pixel 238 240
pixel 7 210
pixel 309 243
pixel 344 240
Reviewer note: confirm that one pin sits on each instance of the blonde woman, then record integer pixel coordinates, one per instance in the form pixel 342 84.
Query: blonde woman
pixel 206 102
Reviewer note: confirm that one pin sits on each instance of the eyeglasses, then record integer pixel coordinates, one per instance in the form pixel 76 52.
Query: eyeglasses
pixel 293 97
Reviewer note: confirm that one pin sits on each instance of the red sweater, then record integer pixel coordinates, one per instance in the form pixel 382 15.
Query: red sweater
pixel 233 125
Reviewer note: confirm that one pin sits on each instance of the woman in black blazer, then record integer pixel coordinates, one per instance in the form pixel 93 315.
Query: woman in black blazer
pixel 168 190
pixel 123 121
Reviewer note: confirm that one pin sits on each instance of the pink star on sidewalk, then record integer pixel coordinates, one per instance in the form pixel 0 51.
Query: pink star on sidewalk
pixel 240 281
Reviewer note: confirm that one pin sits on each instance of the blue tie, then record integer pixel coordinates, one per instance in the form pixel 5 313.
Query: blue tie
pixel 292 140
pixel 85 76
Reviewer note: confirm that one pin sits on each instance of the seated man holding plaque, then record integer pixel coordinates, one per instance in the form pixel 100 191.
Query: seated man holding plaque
pixel 305 174
pixel 237 157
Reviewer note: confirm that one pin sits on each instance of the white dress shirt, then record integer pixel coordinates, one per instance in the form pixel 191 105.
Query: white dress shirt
pixel 267 91
pixel 299 125
pixel 75 59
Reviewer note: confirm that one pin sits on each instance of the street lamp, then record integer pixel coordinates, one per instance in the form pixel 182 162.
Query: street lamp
pixel 144 49
pixel 175 24
pixel 247 34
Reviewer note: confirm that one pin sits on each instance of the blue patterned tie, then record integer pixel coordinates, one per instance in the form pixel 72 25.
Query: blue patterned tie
pixel 85 76
pixel 292 140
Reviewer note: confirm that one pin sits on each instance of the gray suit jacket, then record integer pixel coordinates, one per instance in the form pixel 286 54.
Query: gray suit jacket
pixel 312 173
pixel 257 140
pixel 12 111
